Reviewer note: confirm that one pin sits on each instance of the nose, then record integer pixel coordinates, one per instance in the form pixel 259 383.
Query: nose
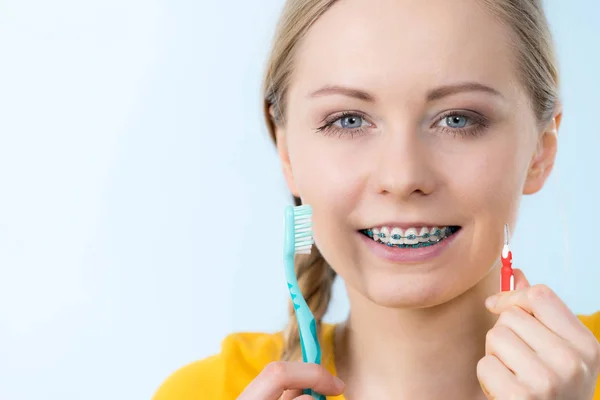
pixel 405 167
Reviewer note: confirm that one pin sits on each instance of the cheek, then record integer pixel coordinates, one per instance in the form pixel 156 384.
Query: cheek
pixel 491 174
pixel 481 180
pixel 328 172
pixel 486 185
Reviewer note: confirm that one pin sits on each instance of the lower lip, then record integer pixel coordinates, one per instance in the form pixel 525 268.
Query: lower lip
pixel 408 255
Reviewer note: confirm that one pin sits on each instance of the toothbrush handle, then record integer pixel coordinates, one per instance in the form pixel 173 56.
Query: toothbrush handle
pixel 309 339
pixel 307 326
pixel 309 343
pixel 315 395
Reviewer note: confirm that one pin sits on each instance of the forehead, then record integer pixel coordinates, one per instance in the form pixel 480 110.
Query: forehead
pixel 407 45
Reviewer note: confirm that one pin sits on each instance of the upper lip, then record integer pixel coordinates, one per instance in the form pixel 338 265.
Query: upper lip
pixel 406 225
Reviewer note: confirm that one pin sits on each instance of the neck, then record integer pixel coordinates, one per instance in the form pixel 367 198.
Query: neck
pixel 427 353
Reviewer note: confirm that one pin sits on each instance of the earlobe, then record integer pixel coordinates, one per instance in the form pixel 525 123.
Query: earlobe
pixel 543 160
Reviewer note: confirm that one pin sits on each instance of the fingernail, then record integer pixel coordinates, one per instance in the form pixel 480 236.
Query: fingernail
pixel 491 302
pixel 338 382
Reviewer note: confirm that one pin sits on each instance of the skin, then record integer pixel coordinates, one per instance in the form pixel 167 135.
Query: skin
pixel 421 330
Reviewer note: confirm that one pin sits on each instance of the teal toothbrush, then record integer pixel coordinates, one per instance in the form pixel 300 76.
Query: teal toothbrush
pixel 298 239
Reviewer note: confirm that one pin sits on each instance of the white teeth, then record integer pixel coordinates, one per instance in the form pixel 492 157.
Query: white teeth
pixel 433 234
pixel 386 234
pixel 375 234
pixel 424 231
pixel 396 231
pixel 444 233
pixel 411 236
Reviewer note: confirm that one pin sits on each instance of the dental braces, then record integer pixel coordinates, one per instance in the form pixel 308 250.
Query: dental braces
pixel 446 231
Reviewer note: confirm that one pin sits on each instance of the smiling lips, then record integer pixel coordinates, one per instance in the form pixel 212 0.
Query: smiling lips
pixel 411 245
pixel 413 237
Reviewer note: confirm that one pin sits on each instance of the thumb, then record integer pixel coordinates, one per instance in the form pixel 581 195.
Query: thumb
pixel 521 281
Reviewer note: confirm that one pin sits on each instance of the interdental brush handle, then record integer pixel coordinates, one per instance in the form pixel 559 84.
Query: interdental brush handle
pixel 507 271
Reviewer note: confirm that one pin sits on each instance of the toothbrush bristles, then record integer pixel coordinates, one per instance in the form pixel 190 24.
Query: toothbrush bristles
pixel 303 233
pixel 506 234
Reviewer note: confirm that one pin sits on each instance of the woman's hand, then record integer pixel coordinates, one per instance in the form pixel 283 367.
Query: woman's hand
pixel 538 349
pixel 287 379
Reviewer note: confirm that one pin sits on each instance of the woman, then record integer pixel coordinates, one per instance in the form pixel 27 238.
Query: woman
pixel 421 118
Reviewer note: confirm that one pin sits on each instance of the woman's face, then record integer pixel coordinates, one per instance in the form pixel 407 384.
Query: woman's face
pixel 410 114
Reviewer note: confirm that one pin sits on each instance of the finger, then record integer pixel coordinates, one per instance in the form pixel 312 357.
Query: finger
pixel 544 305
pixel 292 394
pixel 496 380
pixel 280 376
pixel 536 335
pixel 550 348
pixel 295 395
pixel 520 280
pixel 518 357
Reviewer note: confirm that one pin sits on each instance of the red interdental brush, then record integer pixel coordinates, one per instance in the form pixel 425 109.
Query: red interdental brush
pixel 507 271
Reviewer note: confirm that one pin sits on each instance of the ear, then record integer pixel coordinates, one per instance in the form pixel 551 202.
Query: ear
pixel 543 160
pixel 284 156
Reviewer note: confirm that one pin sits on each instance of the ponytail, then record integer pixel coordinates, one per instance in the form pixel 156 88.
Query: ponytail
pixel 315 276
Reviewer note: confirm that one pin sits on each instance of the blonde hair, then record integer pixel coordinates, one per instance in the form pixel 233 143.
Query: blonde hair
pixel 538 70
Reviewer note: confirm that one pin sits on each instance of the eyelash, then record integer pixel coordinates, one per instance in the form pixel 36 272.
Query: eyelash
pixel 328 129
pixel 478 124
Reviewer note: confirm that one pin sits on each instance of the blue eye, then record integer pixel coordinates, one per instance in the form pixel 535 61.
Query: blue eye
pixel 462 123
pixel 347 124
pixel 456 121
pixel 351 122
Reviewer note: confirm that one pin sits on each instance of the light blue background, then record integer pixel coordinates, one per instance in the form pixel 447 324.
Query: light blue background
pixel 140 197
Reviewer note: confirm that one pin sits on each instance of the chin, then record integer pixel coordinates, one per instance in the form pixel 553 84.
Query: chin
pixel 408 292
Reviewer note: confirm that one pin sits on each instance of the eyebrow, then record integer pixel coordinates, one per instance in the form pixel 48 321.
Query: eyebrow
pixel 449 90
pixel 432 95
pixel 344 91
